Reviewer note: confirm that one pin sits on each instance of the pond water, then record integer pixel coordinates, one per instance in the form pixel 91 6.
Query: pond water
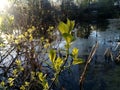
pixel 107 36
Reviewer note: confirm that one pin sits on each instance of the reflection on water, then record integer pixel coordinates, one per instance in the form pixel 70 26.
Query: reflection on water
pixel 85 29
pixel 107 36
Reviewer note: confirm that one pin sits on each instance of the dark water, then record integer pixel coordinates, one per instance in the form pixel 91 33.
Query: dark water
pixel 107 34
pixel 101 75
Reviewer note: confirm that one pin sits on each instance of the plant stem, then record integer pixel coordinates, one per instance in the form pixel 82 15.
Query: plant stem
pixel 86 65
pixel 65 61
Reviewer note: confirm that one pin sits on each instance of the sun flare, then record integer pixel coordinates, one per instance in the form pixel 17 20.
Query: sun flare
pixel 54 0
pixel 3 4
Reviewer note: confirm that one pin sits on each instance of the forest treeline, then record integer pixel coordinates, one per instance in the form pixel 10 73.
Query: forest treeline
pixel 45 13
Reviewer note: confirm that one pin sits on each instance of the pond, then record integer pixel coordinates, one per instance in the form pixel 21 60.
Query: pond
pixel 101 75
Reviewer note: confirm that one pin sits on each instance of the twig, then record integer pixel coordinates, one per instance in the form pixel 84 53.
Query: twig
pixel 59 71
pixel 86 65
pixel 10 65
pixel 8 53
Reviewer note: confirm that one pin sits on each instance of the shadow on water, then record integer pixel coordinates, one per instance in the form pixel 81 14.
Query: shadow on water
pixel 85 28
pixel 99 71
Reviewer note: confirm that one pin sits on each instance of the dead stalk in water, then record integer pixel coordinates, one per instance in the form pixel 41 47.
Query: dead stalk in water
pixel 82 77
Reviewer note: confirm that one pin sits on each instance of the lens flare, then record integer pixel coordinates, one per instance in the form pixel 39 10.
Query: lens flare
pixel 3 4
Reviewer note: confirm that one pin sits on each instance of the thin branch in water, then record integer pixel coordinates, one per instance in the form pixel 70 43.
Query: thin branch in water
pixel 86 65
pixel 10 65
pixel 6 54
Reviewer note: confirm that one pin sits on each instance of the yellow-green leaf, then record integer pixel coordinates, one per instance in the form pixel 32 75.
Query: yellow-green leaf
pixel 70 24
pixel 58 63
pixel 22 87
pixel 18 62
pixel 31 37
pixel 52 55
pixel 40 75
pixel 21 69
pixel 77 61
pixel 75 51
pixel 2 83
pixel 27 83
pixel 63 28
pixel 46 86
pixel 68 37
pixel 15 71
pixel 67 45
pixel 10 80
pixel 17 41
pixel 11 84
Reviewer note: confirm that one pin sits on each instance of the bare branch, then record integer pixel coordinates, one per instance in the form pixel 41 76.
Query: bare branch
pixel 86 65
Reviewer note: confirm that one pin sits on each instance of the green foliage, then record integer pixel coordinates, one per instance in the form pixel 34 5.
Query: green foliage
pixel 2 86
pixel 66 28
pixel 11 81
pixel 34 20
pixel 63 28
pixel 75 52
pixel 56 64
pixel 2 45
pixel 68 37
pixel 43 80
pixel 6 22
pixel 77 61
pixel 70 24
pixel 2 83
pixel 52 55
pixel 59 62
